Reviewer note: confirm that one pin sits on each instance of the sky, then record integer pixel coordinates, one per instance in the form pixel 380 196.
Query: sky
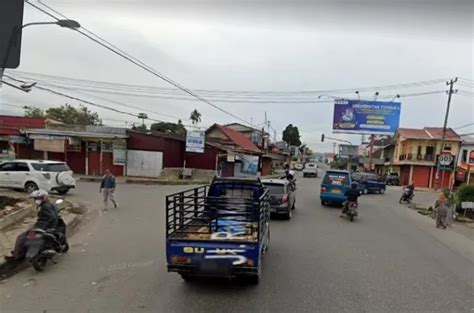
pixel 281 46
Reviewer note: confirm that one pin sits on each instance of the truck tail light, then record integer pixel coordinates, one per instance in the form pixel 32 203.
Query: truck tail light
pixel 180 259
pixel 323 189
pixel 284 199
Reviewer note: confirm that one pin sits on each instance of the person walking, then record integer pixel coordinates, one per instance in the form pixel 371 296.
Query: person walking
pixel 107 188
pixel 441 207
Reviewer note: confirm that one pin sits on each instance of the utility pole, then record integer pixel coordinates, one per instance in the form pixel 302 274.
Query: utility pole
pixel 143 117
pixel 443 138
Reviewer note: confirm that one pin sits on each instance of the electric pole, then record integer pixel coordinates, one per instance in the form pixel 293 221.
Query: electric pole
pixel 443 138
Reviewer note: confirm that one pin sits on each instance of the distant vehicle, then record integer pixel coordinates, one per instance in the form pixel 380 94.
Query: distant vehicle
pixel 334 186
pixel 299 166
pixel 282 196
pixel 310 170
pixel 392 179
pixel 220 230
pixel 31 175
pixel 369 183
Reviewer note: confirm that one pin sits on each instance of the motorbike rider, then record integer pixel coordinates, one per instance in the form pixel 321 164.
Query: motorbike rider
pixel 47 219
pixel 352 195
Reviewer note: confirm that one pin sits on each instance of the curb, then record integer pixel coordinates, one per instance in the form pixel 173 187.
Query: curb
pixel 8 269
pixel 15 216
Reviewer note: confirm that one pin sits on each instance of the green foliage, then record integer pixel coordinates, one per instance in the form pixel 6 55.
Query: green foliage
pixel 339 164
pixel 66 114
pixel 291 135
pixel 169 128
pixel 195 117
pixel 140 128
pixel 31 111
pixel 294 159
pixel 465 193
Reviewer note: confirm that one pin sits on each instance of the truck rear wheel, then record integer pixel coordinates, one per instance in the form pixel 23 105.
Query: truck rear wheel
pixel 254 279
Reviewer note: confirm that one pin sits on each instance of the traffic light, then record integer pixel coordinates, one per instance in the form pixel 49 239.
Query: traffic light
pixel 322 137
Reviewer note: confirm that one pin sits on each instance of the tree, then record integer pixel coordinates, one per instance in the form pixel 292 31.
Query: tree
pixel 33 112
pixel 291 135
pixel 66 114
pixel 169 128
pixel 140 128
pixel 195 117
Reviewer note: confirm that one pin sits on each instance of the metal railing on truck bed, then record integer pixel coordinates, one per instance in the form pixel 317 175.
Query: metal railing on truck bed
pixel 236 209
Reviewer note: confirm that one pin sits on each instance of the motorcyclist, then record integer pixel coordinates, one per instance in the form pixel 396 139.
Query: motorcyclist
pixel 47 219
pixel 351 195
pixel 411 188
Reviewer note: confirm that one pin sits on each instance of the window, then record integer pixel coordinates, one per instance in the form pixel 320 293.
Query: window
pixel 419 150
pixel 447 147
pixel 275 189
pixel 464 156
pixel 7 167
pixel 21 167
pixel 339 179
pixel 51 167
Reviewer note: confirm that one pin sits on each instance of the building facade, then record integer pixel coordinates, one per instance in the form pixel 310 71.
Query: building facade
pixel 416 152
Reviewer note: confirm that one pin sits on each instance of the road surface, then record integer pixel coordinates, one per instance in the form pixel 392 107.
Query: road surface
pixel 389 260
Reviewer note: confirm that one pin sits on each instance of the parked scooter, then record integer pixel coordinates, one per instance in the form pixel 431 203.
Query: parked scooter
pixel 407 196
pixel 45 245
pixel 351 210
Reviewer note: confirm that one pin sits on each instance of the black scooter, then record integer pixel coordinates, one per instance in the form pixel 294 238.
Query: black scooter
pixel 45 245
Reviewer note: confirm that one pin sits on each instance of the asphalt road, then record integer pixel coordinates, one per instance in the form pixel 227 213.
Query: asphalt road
pixel 388 260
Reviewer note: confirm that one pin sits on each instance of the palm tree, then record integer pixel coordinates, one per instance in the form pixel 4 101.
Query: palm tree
pixel 195 117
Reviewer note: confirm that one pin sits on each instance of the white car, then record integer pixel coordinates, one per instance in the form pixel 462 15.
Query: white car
pixel 310 169
pixel 31 175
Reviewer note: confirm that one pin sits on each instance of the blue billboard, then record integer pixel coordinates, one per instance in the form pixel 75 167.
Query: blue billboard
pixel 366 117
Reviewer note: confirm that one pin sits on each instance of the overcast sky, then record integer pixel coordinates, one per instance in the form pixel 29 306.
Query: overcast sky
pixel 263 46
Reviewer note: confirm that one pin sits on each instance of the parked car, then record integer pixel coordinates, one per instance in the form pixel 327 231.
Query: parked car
pixel 392 179
pixel 282 196
pixel 369 183
pixel 310 169
pixel 31 175
pixel 334 186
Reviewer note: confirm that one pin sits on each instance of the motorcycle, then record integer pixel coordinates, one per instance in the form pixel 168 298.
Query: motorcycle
pixel 45 245
pixel 351 210
pixel 407 196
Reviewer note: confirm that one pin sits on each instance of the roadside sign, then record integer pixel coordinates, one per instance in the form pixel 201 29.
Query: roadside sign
pixel 446 160
pixel 195 141
pixel 11 20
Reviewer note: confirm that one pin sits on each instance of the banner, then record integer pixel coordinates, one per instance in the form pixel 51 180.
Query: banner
pixel 249 164
pixel 119 156
pixel 195 141
pixel 366 117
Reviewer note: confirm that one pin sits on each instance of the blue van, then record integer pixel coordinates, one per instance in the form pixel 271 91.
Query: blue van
pixel 334 186
pixel 369 183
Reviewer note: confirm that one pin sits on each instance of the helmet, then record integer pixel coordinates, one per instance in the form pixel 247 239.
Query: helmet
pixel 292 173
pixel 39 195
pixel 354 185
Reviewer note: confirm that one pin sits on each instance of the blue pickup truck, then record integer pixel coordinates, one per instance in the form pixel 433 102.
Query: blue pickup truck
pixel 220 230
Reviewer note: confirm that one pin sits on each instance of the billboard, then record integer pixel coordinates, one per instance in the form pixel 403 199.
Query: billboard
pixel 195 141
pixel 366 117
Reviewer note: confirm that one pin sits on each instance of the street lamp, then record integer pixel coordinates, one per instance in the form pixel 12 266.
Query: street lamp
pixel 72 24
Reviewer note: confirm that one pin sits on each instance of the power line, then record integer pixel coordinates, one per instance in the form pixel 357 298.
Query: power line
pixel 139 63
pixel 464 126
pixel 216 93
pixel 90 102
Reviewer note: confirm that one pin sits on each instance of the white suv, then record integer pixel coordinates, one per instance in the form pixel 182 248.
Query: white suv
pixel 31 175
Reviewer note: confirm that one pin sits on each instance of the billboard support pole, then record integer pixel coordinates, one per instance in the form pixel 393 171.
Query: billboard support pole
pixel 371 150
pixel 443 138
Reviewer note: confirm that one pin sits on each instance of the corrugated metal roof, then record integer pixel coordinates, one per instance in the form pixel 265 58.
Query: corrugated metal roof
pixel 54 132
pixel 238 139
pixel 428 133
